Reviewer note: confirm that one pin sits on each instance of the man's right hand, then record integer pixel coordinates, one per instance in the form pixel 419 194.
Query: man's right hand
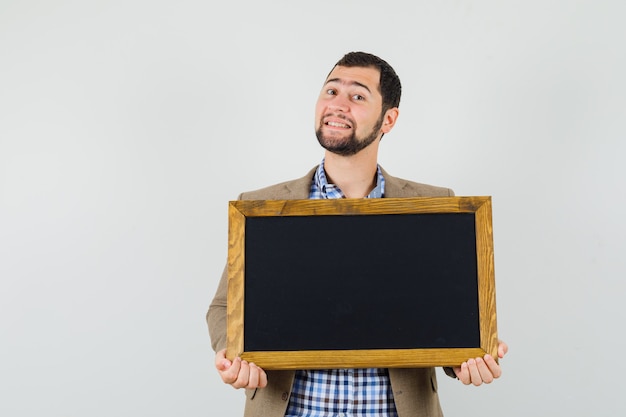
pixel 239 373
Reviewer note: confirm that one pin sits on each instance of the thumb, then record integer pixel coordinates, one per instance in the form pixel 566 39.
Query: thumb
pixel 224 364
pixel 221 363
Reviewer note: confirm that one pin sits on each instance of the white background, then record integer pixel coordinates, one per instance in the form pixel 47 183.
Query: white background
pixel 126 126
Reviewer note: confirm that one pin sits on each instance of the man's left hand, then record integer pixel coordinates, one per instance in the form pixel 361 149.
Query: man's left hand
pixel 481 370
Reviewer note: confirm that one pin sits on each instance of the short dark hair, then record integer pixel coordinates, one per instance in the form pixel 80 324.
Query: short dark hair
pixel 389 82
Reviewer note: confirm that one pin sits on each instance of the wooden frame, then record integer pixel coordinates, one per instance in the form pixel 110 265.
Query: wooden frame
pixel 241 215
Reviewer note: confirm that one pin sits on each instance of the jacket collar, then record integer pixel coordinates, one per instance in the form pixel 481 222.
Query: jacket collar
pixel 300 188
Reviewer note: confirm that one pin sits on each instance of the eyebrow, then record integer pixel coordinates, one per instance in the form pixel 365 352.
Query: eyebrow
pixel 340 81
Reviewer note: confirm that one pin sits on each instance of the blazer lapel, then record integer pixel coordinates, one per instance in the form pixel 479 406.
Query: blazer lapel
pixel 395 187
pixel 300 188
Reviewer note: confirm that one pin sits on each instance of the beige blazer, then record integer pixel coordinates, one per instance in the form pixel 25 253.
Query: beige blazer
pixel 414 390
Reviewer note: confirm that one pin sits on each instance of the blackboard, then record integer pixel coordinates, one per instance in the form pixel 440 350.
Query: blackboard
pixel 351 283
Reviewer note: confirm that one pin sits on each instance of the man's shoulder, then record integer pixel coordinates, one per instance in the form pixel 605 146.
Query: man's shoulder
pixel 399 187
pixel 295 189
pixel 300 188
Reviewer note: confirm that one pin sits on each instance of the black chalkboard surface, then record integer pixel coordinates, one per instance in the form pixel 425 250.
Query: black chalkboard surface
pixel 388 282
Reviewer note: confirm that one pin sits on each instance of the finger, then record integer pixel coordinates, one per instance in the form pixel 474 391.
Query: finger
pixel 474 373
pixel 503 348
pixel 463 374
pixel 494 368
pixel 262 378
pixel 221 363
pixel 231 374
pixel 243 378
pixel 253 379
pixel 484 371
pixel 258 377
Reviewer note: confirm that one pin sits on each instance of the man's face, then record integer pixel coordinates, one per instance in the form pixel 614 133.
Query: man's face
pixel 348 114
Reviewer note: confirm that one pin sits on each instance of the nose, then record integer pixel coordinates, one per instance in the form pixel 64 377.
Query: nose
pixel 339 103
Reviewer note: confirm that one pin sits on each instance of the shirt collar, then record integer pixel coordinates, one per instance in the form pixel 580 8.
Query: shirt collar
pixel 329 190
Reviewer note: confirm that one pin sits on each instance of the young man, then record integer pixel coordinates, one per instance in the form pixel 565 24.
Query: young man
pixel 358 104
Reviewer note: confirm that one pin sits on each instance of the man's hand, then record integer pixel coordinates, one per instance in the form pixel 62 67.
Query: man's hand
pixel 239 373
pixel 481 370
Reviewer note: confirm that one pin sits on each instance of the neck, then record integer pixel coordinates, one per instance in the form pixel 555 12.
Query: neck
pixel 355 175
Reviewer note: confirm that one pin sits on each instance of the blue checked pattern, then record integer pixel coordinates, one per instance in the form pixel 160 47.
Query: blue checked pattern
pixel 341 392
pixel 321 189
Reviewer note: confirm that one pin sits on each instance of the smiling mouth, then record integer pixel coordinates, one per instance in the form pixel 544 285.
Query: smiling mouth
pixel 338 124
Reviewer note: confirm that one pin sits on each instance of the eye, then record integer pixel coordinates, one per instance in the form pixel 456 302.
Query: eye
pixel 358 97
pixel 331 92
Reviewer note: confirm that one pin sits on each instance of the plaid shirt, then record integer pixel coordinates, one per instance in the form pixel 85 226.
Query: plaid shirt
pixel 321 189
pixel 341 392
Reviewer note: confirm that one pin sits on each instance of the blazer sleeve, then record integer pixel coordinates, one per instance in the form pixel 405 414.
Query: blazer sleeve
pixel 216 315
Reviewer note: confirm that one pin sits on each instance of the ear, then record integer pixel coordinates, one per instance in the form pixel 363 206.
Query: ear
pixel 389 120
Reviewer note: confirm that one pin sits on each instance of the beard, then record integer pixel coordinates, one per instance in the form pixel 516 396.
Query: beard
pixel 350 145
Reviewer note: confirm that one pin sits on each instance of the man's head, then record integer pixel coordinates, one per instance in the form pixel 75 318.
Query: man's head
pixel 389 83
pixel 358 103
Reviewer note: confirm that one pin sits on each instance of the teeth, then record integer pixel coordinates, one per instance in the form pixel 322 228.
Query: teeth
pixel 335 124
